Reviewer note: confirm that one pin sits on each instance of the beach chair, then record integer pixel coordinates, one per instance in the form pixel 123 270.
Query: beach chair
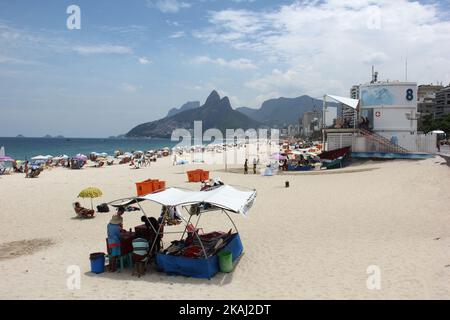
pixel 99 164
pixel 2 171
pixel 79 213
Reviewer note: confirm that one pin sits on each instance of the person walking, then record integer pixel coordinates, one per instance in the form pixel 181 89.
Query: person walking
pixel 246 166
pixel 254 165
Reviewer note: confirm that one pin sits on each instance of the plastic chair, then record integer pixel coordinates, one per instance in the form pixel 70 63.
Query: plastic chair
pixel 125 260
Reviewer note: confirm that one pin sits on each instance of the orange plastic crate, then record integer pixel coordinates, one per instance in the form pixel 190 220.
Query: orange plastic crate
pixel 205 175
pixel 144 187
pixel 190 175
pixel 161 185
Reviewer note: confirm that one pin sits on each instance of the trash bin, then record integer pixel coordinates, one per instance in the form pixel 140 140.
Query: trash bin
pixel 97 262
pixel 225 261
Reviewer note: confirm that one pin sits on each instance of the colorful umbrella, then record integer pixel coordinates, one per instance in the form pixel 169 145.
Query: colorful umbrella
pixel 80 157
pixel 277 156
pixel 91 193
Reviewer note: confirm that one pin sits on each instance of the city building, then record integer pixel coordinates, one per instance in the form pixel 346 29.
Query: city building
pixel 442 103
pixel 426 98
pixel 354 92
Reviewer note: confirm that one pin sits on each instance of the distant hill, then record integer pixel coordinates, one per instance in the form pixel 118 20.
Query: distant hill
pixel 216 112
pixel 283 111
pixel 187 106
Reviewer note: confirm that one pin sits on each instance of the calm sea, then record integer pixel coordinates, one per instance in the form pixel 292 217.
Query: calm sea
pixel 25 148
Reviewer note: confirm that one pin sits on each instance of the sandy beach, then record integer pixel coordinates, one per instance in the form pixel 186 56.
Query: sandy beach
pixel 314 240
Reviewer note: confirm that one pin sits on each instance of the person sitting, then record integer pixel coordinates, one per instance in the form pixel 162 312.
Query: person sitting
pixel 83 212
pixel 154 229
pixel 140 256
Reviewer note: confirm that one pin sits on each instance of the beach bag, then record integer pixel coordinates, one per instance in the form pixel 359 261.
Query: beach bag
pixel 103 208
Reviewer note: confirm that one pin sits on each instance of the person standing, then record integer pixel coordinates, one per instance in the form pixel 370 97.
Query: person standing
pixel 114 229
pixel 246 166
pixel 254 165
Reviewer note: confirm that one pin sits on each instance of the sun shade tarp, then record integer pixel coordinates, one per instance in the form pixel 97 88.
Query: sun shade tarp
pixel 225 197
pixel 352 103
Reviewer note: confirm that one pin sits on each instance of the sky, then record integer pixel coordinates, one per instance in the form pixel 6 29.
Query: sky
pixel 132 61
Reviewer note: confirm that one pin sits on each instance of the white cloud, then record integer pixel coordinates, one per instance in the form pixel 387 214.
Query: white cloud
pixel 102 49
pixel 144 60
pixel 327 46
pixel 239 64
pixel 11 60
pixel 168 6
pixel 127 87
pixel 176 35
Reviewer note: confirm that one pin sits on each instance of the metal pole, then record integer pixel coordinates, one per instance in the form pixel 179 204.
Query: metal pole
pixel 226 164
pixel 323 121
pixel 189 221
pixel 230 220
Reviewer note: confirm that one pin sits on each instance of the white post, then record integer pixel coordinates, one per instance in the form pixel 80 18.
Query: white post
pixel 323 120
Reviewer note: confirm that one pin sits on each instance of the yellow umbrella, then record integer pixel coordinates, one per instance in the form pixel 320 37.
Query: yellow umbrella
pixel 90 193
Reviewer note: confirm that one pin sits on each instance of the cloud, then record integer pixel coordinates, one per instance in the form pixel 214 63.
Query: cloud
pixel 10 60
pixel 168 6
pixel 319 47
pixel 123 29
pixel 176 35
pixel 127 87
pixel 144 60
pixel 239 64
pixel 102 49
pixel 375 58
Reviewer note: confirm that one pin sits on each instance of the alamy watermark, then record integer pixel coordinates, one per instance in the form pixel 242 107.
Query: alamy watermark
pixel 73 281
pixel 374 280
pixel 73 22
pixel 233 147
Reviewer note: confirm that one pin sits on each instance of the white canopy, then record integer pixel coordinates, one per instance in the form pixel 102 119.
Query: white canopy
pixel 40 157
pixel 225 197
pixel 2 151
pixel 352 103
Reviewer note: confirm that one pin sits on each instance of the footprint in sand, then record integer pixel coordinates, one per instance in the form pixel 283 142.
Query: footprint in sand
pixel 16 249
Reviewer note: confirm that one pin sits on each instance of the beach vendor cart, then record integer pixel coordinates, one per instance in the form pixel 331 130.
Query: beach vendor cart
pixel 197 254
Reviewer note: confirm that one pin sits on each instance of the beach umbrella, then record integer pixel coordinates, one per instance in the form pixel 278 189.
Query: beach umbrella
pixel 6 159
pixel 91 193
pixel 277 156
pixel 40 158
pixel 80 157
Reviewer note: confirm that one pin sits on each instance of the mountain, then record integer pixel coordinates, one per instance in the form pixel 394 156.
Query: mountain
pixel 187 106
pixel 216 112
pixel 284 111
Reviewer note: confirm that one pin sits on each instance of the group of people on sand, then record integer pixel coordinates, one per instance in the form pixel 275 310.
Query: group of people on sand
pixel 141 247
pixel 255 163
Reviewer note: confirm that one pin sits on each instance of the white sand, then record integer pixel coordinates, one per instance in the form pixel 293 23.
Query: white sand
pixel 313 240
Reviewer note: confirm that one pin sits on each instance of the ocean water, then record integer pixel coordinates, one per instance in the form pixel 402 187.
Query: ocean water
pixel 26 148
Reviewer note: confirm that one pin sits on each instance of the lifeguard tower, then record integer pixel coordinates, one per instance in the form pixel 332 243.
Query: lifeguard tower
pixel 386 122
